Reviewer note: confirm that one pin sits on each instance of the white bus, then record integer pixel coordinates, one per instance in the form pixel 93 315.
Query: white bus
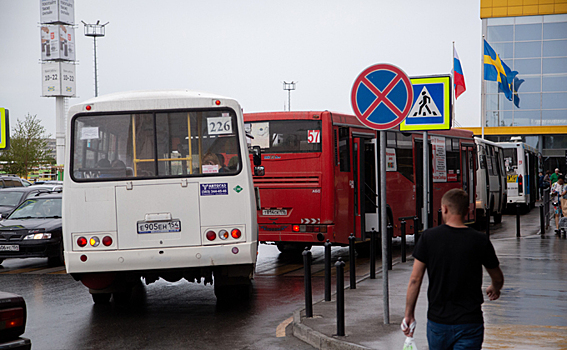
pixel 521 163
pixel 490 181
pixel 158 185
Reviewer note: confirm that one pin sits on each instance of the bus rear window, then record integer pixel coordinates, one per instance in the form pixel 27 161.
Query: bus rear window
pixel 150 145
pixel 285 136
pixel 510 160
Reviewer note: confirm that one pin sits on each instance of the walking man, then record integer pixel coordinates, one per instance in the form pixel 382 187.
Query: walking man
pixel 453 255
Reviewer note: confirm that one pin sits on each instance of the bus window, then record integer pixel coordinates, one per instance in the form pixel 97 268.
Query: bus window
pixel 124 146
pixel 510 160
pixel 404 156
pixel 453 166
pixel 344 150
pixel 286 136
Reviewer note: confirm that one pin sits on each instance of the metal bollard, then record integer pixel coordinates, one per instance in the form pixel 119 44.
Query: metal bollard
pixel 327 270
pixel 439 217
pixel 340 298
pixel 373 254
pixel 415 229
pixel 390 230
pixel 403 224
pixel 352 261
pixel 307 278
pixel 518 220
pixel 542 221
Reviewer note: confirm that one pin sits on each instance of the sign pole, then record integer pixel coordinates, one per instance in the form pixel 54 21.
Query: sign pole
pixel 425 218
pixel 383 228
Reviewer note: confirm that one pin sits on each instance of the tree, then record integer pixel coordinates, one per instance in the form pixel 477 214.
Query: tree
pixel 28 147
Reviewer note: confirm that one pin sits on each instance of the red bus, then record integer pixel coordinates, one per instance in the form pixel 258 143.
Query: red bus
pixel 321 175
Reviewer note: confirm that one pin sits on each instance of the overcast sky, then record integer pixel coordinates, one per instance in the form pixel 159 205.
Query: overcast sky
pixel 245 49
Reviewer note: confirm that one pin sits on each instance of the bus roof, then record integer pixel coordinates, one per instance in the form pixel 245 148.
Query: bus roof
pixel 149 100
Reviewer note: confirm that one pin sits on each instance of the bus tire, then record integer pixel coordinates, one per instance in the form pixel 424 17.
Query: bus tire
pixel 497 218
pixel 101 298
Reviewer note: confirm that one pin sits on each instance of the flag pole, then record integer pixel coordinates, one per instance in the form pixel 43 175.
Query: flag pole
pixel 482 92
pixel 453 99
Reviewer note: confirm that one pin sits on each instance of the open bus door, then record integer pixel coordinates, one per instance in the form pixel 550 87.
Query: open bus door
pixel 365 193
pixel 468 168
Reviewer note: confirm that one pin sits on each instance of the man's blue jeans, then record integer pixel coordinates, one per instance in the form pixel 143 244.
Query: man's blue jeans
pixel 455 337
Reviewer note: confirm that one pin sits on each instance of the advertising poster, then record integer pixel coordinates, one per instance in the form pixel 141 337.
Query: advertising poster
pixel 439 159
pixel 57 43
pixel 58 79
pixel 57 11
pixel 391 164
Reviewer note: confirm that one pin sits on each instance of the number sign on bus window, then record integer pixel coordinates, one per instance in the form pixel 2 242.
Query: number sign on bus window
pixel 219 125
pixel 313 136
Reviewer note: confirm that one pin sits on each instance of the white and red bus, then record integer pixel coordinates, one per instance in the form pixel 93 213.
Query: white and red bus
pixel 321 176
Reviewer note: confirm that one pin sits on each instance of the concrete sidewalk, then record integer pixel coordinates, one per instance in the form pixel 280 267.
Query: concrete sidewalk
pixel 531 313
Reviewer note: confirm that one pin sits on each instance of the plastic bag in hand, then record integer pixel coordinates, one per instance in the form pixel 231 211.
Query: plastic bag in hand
pixel 409 344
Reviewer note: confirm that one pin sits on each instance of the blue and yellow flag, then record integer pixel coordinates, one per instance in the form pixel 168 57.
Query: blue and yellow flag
pixel 496 70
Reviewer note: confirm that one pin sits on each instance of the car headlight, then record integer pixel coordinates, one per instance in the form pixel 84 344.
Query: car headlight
pixel 38 236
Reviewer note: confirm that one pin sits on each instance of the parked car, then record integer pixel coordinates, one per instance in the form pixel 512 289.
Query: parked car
pixel 13 315
pixel 13 181
pixel 48 182
pixel 11 197
pixel 33 230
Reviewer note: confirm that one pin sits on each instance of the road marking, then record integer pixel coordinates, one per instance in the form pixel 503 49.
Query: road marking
pixel 13 272
pixel 46 270
pixel 280 330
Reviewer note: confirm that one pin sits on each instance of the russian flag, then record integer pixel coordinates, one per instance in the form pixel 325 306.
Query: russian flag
pixel 458 76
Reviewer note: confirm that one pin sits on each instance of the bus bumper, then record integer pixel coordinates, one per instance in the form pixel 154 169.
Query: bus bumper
pixel 159 259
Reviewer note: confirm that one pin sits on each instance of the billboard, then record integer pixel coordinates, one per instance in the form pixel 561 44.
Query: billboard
pixel 57 42
pixel 57 11
pixel 58 79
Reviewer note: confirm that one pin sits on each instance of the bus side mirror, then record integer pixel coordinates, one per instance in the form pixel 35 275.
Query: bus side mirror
pixel 256 155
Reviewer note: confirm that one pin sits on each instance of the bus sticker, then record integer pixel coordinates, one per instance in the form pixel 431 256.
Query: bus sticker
pixel 89 133
pixel 313 136
pixel 512 178
pixel 214 189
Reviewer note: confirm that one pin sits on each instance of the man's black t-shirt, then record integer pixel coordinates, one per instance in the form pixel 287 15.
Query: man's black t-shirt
pixel 454 258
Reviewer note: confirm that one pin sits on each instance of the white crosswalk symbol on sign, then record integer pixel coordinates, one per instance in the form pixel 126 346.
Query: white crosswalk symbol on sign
pixel 424 106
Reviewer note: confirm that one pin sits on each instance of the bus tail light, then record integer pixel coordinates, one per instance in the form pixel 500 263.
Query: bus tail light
pixel 295 228
pixel 236 233
pixel 211 235
pixel 520 184
pixel 223 234
pixel 11 318
pixel 81 241
pixel 94 241
pixel 107 241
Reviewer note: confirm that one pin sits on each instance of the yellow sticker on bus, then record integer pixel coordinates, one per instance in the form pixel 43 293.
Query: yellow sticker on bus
pixel 4 129
pixel 512 178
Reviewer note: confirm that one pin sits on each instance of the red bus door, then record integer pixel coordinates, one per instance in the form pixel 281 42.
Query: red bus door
pixel 468 168
pixel 364 175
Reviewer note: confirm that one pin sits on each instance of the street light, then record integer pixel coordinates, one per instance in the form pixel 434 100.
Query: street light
pixel 95 30
pixel 289 86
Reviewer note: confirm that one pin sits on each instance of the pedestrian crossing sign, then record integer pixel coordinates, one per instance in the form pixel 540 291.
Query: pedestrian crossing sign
pixel 431 109
pixel 4 129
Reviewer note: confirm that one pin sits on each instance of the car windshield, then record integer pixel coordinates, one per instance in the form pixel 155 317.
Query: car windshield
pixel 38 208
pixel 10 198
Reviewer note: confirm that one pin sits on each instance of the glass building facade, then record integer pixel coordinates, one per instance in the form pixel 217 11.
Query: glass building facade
pixel 536 47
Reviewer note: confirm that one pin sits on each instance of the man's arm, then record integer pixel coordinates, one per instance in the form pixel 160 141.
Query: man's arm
pixel 413 292
pixel 497 277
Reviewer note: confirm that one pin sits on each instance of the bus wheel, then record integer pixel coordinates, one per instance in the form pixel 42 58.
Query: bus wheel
pixel 101 298
pixel 497 218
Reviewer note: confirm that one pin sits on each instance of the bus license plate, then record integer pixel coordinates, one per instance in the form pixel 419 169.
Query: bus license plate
pixel 274 212
pixel 159 227
pixel 9 248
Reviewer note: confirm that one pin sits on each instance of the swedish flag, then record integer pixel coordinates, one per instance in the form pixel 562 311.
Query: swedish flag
pixel 496 70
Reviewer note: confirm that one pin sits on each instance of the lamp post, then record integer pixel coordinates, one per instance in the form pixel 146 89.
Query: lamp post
pixel 289 86
pixel 95 30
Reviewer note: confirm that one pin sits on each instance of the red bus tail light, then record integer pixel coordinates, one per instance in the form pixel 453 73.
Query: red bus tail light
pixel 211 235
pixel 520 184
pixel 235 233
pixel 11 318
pixel 295 228
pixel 82 241
pixel 107 241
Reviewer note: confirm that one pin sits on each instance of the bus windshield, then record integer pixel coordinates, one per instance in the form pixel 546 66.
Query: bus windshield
pixel 511 160
pixel 155 145
pixel 285 136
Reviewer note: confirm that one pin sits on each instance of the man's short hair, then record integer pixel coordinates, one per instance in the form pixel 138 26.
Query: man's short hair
pixel 561 177
pixel 457 201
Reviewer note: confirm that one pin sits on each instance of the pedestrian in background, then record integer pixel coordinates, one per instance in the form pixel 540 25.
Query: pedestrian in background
pixel 558 191
pixel 453 255
pixel 554 176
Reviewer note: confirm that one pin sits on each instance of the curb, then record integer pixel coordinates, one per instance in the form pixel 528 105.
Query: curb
pixel 319 340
